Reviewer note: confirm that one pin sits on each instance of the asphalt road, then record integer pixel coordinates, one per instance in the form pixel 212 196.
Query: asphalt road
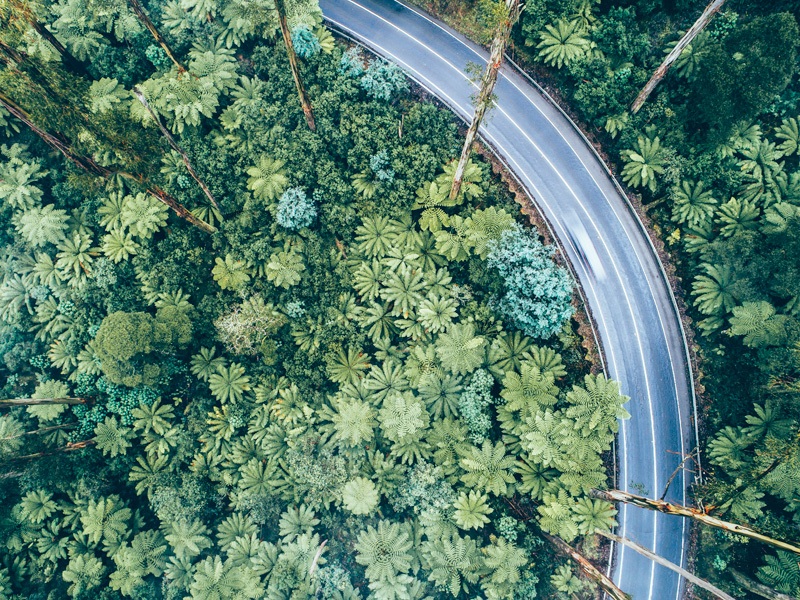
pixel 622 280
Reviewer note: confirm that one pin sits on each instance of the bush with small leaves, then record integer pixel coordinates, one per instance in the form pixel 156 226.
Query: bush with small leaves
pixel 295 209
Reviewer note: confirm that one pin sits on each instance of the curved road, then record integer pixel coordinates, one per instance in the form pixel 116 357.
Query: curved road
pixel 612 257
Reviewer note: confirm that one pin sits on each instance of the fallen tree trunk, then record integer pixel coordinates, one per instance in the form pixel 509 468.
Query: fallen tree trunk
pixel 757 588
pixel 588 569
pixel 692 513
pixel 666 563
pixel 39 401
pixel 661 71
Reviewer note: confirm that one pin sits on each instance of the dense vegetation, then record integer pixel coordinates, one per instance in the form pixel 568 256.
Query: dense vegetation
pixel 714 155
pixel 353 388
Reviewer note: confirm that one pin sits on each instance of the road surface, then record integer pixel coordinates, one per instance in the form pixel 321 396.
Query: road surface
pixel 623 282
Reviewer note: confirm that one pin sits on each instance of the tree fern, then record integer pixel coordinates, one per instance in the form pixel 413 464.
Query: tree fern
pixel 188 538
pixel 284 269
pixel 119 246
pixel 230 383
pixel 205 363
pixel 18 185
pixel 790 134
pixel 384 551
pixel 471 510
pixel 486 225
pixel 781 572
pixel 713 291
pixel 592 515
pixel 488 468
pixel 84 572
pixel 403 417
pixel 42 226
pixel 528 390
pixel 296 521
pixel 104 94
pixel 215 580
pixel 431 197
pixel 106 519
pixel 460 349
pixel 230 274
pixel 736 216
pixel 692 203
pixel 360 496
pixel 375 236
pixel 111 438
pixel 562 43
pixel 643 164
pixel 267 179
pixel 758 323
pixel 453 561
pixel 143 215
pixel 504 561
pixel 453 242
pixel 37 506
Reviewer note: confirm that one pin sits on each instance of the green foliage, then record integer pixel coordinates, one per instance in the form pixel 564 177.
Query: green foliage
pixel 758 323
pixel 229 383
pixel 360 496
pixel 384 551
pixel 644 163
pixel 562 43
pixel 230 274
pixel 472 510
pixel 460 349
pixel 536 292
pixel 295 209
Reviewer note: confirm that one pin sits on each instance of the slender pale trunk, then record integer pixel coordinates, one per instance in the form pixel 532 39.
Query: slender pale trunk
pixel 757 588
pixel 692 513
pixel 668 564
pixel 38 401
pixel 488 81
pixel 280 8
pixel 661 71
pixel 174 145
pixel 139 12
pixel 587 568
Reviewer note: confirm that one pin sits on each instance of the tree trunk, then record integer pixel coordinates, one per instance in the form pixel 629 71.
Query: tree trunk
pixel 757 588
pixel 692 513
pixel 88 164
pixel 180 209
pixel 661 71
pixel 70 62
pixel 139 12
pixel 37 431
pixel 55 142
pixel 665 563
pixel 488 81
pixel 588 569
pixel 22 10
pixel 38 401
pixel 280 7
pixel 174 145
pixel 70 447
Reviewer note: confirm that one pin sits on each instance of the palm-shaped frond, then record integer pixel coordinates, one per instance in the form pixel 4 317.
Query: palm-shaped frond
pixel 562 43
pixel 644 163
pixel 692 203
pixel 384 551
pixel 488 468
pixel 713 291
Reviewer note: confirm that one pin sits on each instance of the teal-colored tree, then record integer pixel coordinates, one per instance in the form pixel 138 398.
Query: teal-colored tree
pixel 536 292
pixel 295 209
